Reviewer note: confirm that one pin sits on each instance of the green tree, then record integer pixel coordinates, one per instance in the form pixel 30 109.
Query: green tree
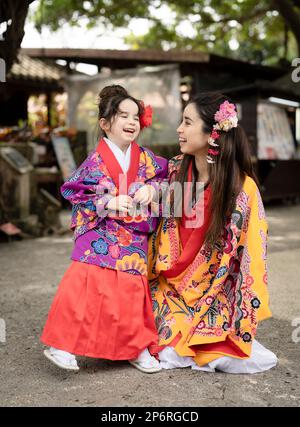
pixel 267 31
pixel 12 15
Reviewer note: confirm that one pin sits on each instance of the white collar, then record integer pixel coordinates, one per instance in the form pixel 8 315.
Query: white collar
pixel 122 158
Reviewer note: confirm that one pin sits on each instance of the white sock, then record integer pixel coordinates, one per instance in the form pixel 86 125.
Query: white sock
pixel 63 356
pixel 145 358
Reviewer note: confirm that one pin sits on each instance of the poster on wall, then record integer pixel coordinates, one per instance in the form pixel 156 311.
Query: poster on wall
pixel 64 155
pixel 275 137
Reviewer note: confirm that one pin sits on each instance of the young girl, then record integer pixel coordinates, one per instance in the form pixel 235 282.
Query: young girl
pixel 208 264
pixel 103 307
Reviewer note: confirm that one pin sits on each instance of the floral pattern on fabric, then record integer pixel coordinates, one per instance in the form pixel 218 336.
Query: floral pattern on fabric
pixel 222 294
pixel 118 243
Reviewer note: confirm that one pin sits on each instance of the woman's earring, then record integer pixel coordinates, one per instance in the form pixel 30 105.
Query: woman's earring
pixel 209 159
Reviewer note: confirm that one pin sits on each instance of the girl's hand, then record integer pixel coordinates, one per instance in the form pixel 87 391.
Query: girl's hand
pixel 145 194
pixel 120 203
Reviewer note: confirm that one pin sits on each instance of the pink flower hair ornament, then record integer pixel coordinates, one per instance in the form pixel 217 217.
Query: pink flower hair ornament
pixel 146 116
pixel 226 118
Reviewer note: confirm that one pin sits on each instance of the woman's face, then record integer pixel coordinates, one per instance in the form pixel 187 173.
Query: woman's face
pixel 192 139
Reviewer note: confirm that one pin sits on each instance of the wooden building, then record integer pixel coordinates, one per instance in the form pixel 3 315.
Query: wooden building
pixel 27 77
pixel 246 83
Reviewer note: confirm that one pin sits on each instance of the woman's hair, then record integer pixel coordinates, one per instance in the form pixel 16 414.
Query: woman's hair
pixel 227 174
pixel 110 98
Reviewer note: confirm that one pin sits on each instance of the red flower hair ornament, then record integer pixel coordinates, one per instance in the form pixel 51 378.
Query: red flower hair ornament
pixel 146 116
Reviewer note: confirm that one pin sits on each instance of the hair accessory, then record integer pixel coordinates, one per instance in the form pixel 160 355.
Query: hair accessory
pixel 226 118
pixel 146 116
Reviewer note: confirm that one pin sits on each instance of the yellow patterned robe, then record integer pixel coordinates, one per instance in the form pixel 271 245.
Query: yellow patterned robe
pixel 223 294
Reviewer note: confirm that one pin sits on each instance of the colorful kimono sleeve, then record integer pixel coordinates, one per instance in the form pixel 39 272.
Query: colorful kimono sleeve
pixel 89 199
pixel 144 226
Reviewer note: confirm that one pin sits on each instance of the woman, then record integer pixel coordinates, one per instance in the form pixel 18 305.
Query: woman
pixel 208 259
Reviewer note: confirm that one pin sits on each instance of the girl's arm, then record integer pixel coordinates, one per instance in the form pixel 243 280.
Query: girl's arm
pixel 89 199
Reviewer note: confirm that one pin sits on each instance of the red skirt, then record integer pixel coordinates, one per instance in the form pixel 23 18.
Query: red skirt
pixel 102 313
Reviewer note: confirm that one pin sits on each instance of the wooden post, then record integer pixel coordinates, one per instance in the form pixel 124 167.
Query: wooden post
pixel 49 104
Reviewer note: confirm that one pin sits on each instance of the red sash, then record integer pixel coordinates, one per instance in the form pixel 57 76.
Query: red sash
pixel 191 238
pixel 122 180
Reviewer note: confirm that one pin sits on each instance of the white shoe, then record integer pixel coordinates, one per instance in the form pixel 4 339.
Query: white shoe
pixel 62 359
pixel 146 363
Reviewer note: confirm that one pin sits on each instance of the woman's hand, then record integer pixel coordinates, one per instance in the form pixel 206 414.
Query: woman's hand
pixel 121 203
pixel 145 194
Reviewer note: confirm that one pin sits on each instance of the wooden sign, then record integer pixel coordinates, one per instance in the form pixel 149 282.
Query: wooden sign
pixel 64 155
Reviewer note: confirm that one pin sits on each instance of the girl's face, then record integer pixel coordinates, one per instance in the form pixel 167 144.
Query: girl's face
pixel 125 126
pixel 192 139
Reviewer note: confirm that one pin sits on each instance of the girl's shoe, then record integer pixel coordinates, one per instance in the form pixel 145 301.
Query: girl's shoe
pixel 62 359
pixel 146 363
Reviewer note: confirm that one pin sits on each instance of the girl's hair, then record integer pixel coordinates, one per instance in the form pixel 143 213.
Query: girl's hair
pixel 110 98
pixel 227 174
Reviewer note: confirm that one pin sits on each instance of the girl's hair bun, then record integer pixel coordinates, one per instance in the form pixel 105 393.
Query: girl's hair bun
pixel 111 91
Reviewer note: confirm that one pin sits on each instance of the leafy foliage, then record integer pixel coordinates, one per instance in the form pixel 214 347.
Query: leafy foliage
pixel 264 31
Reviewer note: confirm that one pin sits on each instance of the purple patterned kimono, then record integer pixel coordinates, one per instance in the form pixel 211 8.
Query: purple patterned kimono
pixel 117 243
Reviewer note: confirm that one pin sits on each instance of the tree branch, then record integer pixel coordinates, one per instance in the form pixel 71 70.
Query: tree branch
pixel 291 16
pixel 296 3
pixel 241 19
pixel 16 10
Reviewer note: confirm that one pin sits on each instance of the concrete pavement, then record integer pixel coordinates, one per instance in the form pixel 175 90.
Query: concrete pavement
pixel 30 273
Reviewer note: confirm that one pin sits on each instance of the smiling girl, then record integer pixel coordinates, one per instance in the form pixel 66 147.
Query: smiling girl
pixel 102 308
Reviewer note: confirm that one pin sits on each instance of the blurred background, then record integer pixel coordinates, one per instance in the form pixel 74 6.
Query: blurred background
pixel 58 54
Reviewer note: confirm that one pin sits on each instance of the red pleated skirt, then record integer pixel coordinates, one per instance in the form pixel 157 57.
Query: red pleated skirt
pixel 101 313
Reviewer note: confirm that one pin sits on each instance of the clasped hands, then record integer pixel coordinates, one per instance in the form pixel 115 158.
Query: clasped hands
pixel 125 203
